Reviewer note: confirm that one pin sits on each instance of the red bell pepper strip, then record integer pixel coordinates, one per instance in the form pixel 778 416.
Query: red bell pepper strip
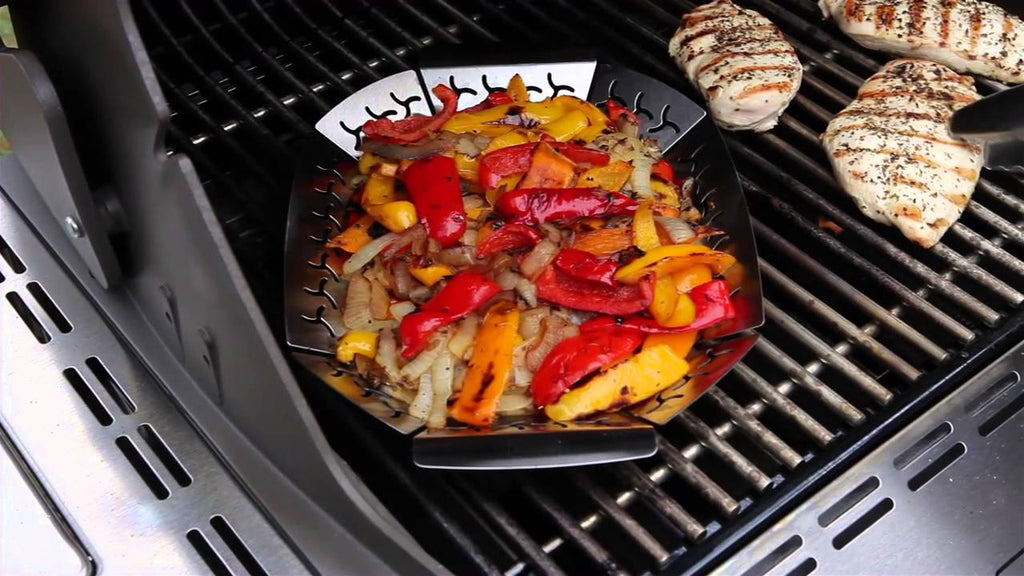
pixel 585 266
pixel 516 159
pixel 710 299
pixel 663 170
pixel 433 183
pixel 616 111
pixel 565 290
pixel 511 236
pixel 535 205
pixel 464 293
pixel 574 358
pixel 417 126
pixel 493 99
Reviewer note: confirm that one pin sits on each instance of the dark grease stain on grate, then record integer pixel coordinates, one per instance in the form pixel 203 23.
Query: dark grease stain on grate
pixel 228 118
pixel 30 320
pixel 88 396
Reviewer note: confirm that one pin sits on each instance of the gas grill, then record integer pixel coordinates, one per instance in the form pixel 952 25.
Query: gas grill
pixel 184 120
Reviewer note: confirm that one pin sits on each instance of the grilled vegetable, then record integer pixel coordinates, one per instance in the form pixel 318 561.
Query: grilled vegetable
pixel 517 160
pixel 711 305
pixel 560 288
pixel 417 126
pixel 611 177
pixel 585 266
pixel 665 260
pixel 434 186
pixel 511 236
pixel 357 342
pixel 640 377
pixel 576 358
pixel 463 294
pixel 430 275
pixel 535 205
pixel 490 366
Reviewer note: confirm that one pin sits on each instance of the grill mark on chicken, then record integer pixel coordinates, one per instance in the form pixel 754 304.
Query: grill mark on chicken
pixel 779 86
pixel 745 39
pixel 747 69
pixel 947 14
pixel 976 22
pixel 908 133
pixel 932 95
pixel 884 16
pixel 917 8
pixel 891 114
pixel 964 173
pixel 899 178
pixel 723 56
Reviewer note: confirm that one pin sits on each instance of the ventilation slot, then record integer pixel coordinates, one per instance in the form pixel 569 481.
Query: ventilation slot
pixel 88 396
pixel 844 504
pixel 775 557
pixel 982 401
pixel 860 525
pixel 1002 416
pixel 120 397
pixel 941 463
pixel 1015 565
pixel 929 441
pixel 163 452
pixel 804 568
pixel 207 553
pixel 48 306
pixel 142 467
pixel 10 257
pixel 238 548
pixel 30 320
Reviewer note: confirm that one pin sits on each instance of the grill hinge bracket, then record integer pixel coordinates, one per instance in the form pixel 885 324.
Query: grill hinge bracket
pixel 43 145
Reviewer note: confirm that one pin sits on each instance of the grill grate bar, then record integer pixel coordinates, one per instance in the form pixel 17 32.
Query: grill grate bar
pixel 337 47
pixel 707 437
pixel 577 535
pixel 468 22
pixel 776 398
pixel 849 223
pixel 848 329
pixel 650 492
pixel 757 431
pixel 612 509
pixel 828 278
pixel 1011 231
pixel 986 187
pixel 696 478
pixel 352 28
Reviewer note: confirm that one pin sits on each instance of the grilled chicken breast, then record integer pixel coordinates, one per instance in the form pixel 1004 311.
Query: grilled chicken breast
pixel 966 35
pixel 892 151
pixel 740 62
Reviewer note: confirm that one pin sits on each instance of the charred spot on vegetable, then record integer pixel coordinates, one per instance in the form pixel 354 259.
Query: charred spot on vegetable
pixel 377 230
pixel 485 383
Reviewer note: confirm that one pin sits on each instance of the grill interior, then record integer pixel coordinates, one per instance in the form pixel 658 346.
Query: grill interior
pixel 857 317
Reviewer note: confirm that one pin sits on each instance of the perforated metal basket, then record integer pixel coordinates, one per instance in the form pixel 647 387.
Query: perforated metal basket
pixel 314 291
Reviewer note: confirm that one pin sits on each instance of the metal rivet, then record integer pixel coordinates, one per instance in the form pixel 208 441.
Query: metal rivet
pixel 72 227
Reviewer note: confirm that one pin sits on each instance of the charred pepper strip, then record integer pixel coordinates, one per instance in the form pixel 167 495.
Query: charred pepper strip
pixel 493 99
pixel 517 159
pixel 433 183
pixel 662 169
pixel 417 126
pixel 463 294
pixel 565 290
pixel 489 366
pixel 511 236
pixel 616 111
pixel 574 358
pixel 535 205
pixel 711 301
pixel 586 266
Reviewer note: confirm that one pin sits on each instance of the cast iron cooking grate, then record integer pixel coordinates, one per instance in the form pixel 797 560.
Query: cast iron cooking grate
pixel 860 323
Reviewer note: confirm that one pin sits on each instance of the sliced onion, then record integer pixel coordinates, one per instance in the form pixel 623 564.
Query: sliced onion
pixel 640 178
pixel 552 232
pixel 460 256
pixel 442 143
pixel 554 331
pixel 527 291
pixel 357 303
pixel 469 237
pixel 403 280
pixel 379 301
pixel 677 229
pixel 515 402
pixel 412 236
pixel 507 280
pixel 401 309
pixel 521 375
pixel 421 363
pixel 421 403
pixel 387 355
pixel 461 368
pixel 367 253
pixel 538 258
pixel 461 343
pixel 419 294
pixel 474 201
pixel 628 126
pixel 529 321
pixel 501 262
pixel 442 372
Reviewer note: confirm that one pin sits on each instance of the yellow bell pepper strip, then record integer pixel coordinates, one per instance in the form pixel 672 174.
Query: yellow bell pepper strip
pixel 396 216
pixel 505 184
pixel 517 90
pixel 513 137
pixel 564 128
pixel 596 119
pixel 611 177
pixel 430 275
pixel 368 161
pixel 489 367
pixel 495 120
pixel 603 241
pixel 467 166
pixel 663 304
pixel 665 260
pixel 684 314
pixel 354 237
pixel 357 342
pixel 681 342
pixel 648 372
pixel 645 232
pixel 689 278
pixel 665 193
pixel 711 302
pixel 548 169
pixel 379 189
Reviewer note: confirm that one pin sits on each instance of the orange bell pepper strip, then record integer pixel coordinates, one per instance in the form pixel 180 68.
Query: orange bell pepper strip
pixel 645 232
pixel 663 304
pixel 611 177
pixel 354 237
pixel 689 278
pixel 489 367
pixel 548 169
pixel 517 90
pixel 681 342
pixel 604 241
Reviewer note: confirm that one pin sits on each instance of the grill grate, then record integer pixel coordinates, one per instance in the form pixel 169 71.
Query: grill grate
pixel 857 317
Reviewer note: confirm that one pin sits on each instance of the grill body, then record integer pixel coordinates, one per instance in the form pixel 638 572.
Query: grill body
pixel 191 110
